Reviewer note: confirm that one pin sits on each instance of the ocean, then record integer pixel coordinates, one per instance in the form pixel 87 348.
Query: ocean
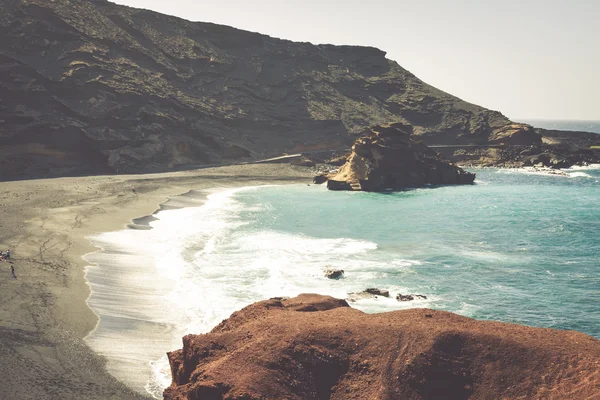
pixel 518 246
pixel 565 125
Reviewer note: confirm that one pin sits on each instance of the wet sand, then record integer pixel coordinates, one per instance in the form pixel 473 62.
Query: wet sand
pixel 43 313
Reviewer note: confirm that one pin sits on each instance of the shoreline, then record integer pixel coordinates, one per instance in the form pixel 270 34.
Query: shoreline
pixel 132 307
pixel 44 315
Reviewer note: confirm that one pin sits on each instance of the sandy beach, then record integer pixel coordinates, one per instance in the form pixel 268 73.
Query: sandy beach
pixel 43 313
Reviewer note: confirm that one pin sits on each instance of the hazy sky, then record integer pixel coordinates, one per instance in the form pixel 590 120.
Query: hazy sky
pixel 527 58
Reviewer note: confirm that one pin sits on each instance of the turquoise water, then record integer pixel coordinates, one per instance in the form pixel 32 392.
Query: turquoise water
pixel 518 246
pixel 515 247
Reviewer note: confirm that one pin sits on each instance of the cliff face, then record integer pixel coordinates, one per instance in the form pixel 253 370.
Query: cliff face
pixel 89 86
pixel 388 158
pixel 316 347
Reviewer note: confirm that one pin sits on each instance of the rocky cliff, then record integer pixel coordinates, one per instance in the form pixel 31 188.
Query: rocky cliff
pixel 388 158
pixel 316 347
pixel 89 86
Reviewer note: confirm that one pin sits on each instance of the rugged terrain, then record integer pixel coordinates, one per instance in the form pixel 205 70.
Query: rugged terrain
pixel 388 158
pixel 93 87
pixel 557 149
pixel 316 347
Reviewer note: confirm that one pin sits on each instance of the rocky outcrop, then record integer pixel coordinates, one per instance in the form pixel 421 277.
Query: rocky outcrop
pixel 410 297
pixel 316 347
pixel 89 86
pixel 334 273
pixel 557 149
pixel 370 293
pixel 388 158
pixel 378 292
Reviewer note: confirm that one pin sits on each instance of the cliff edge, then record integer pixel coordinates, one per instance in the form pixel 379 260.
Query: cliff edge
pixel 316 347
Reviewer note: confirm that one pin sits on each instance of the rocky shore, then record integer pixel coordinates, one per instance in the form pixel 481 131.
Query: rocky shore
pixel 317 347
pixel 550 149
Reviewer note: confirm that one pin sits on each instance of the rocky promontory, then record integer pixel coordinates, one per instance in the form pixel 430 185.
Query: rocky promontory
pixel 317 347
pixel 388 158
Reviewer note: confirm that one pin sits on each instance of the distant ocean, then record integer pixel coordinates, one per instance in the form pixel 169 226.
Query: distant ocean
pixel 517 246
pixel 564 125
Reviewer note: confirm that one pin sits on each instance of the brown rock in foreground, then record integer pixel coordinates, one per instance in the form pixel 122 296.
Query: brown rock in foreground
pixel 316 347
pixel 388 158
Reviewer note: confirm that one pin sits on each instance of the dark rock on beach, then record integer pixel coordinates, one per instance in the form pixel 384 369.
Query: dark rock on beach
pixel 333 184
pixel 323 349
pixel 388 158
pixel 319 179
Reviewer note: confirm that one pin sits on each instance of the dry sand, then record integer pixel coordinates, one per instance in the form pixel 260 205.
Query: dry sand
pixel 43 313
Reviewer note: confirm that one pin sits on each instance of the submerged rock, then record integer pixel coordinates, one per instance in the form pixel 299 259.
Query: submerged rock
pixel 387 158
pixel 323 349
pixel 370 293
pixel 410 297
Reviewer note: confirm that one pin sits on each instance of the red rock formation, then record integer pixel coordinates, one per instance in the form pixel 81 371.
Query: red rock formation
pixel 316 347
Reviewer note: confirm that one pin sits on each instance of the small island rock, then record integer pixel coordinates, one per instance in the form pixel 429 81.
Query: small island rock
pixel 387 158
pixel 410 297
pixel 378 292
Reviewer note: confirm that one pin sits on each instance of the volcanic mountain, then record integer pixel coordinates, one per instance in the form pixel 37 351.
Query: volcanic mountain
pixel 89 86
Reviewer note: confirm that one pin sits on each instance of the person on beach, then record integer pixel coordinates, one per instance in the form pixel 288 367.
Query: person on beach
pixel 7 255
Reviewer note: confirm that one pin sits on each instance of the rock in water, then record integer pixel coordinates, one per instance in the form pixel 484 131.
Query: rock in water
pixel 316 347
pixel 319 179
pixel 410 297
pixel 370 293
pixel 378 292
pixel 334 273
pixel 387 158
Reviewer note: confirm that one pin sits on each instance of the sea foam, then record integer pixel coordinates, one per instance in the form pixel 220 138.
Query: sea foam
pixel 196 266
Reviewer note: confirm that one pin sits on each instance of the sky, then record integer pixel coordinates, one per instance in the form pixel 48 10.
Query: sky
pixel 529 59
